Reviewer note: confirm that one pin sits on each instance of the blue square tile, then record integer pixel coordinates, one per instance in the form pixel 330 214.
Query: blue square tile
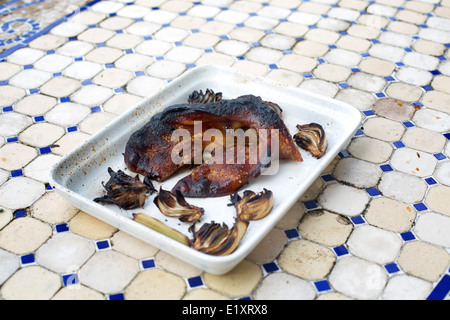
pixel 270 267
pixel 447 136
pixel 344 154
pixel 327 177
pixel 63 227
pixel 64 99
pixel 96 109
pixel 430 181
pixel 373 192
pixel 440 156
pixel 117 296
pixel 408 236
pixel 12 139
pixel 16 173
pixel 386 168
pixel 45 150
pixel 273 66
pixel 392 268
pixel 195 282
pixel 291 233
pixel 358 220
pixel 380 94
pixel 39 119
pixel 420 206
pixel 20 213
pixel 322 285
pixel 408 124
pixel 435 72
pixel 399 144
pixel 7 109
pixel 340 250
pixel 320 60
pixel 27 259
pixel 4 82
pixel 148 264
pixel 69 279
pixel 102 244
pixel 441 290
pixel 72 129
pixel 309 205
pixel 359 133
pixel 368 113
pixel 190 65
pixel 343 85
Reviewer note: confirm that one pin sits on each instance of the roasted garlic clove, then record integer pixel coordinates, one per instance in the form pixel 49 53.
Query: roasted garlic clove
pixel 217 240
pixel 312 138
pixel 160 227
pixel 125 191
pixel 207 97
pixel 175 205
pixel 253 206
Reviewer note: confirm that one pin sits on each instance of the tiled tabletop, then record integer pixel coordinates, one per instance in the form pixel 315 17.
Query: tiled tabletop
pixel 375 225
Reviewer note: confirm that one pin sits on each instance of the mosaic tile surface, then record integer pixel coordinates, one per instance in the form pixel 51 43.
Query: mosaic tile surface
pixel 375 225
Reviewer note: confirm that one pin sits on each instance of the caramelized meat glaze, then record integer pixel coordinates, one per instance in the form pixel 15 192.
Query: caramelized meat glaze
pixel 149 149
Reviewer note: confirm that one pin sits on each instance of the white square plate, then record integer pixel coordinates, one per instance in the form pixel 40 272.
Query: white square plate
pixel 79 175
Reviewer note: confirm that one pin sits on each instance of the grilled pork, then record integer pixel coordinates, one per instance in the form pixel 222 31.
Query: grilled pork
pixel 150 150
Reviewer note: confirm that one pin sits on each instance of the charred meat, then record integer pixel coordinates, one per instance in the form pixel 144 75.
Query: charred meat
pixel 149 150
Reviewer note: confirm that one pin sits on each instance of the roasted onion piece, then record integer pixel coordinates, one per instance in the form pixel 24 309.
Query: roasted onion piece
pixel 312 138
pixel 217 240
pixel 252 206
pixel 125 191
pixel 208 96
pixel 175 205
